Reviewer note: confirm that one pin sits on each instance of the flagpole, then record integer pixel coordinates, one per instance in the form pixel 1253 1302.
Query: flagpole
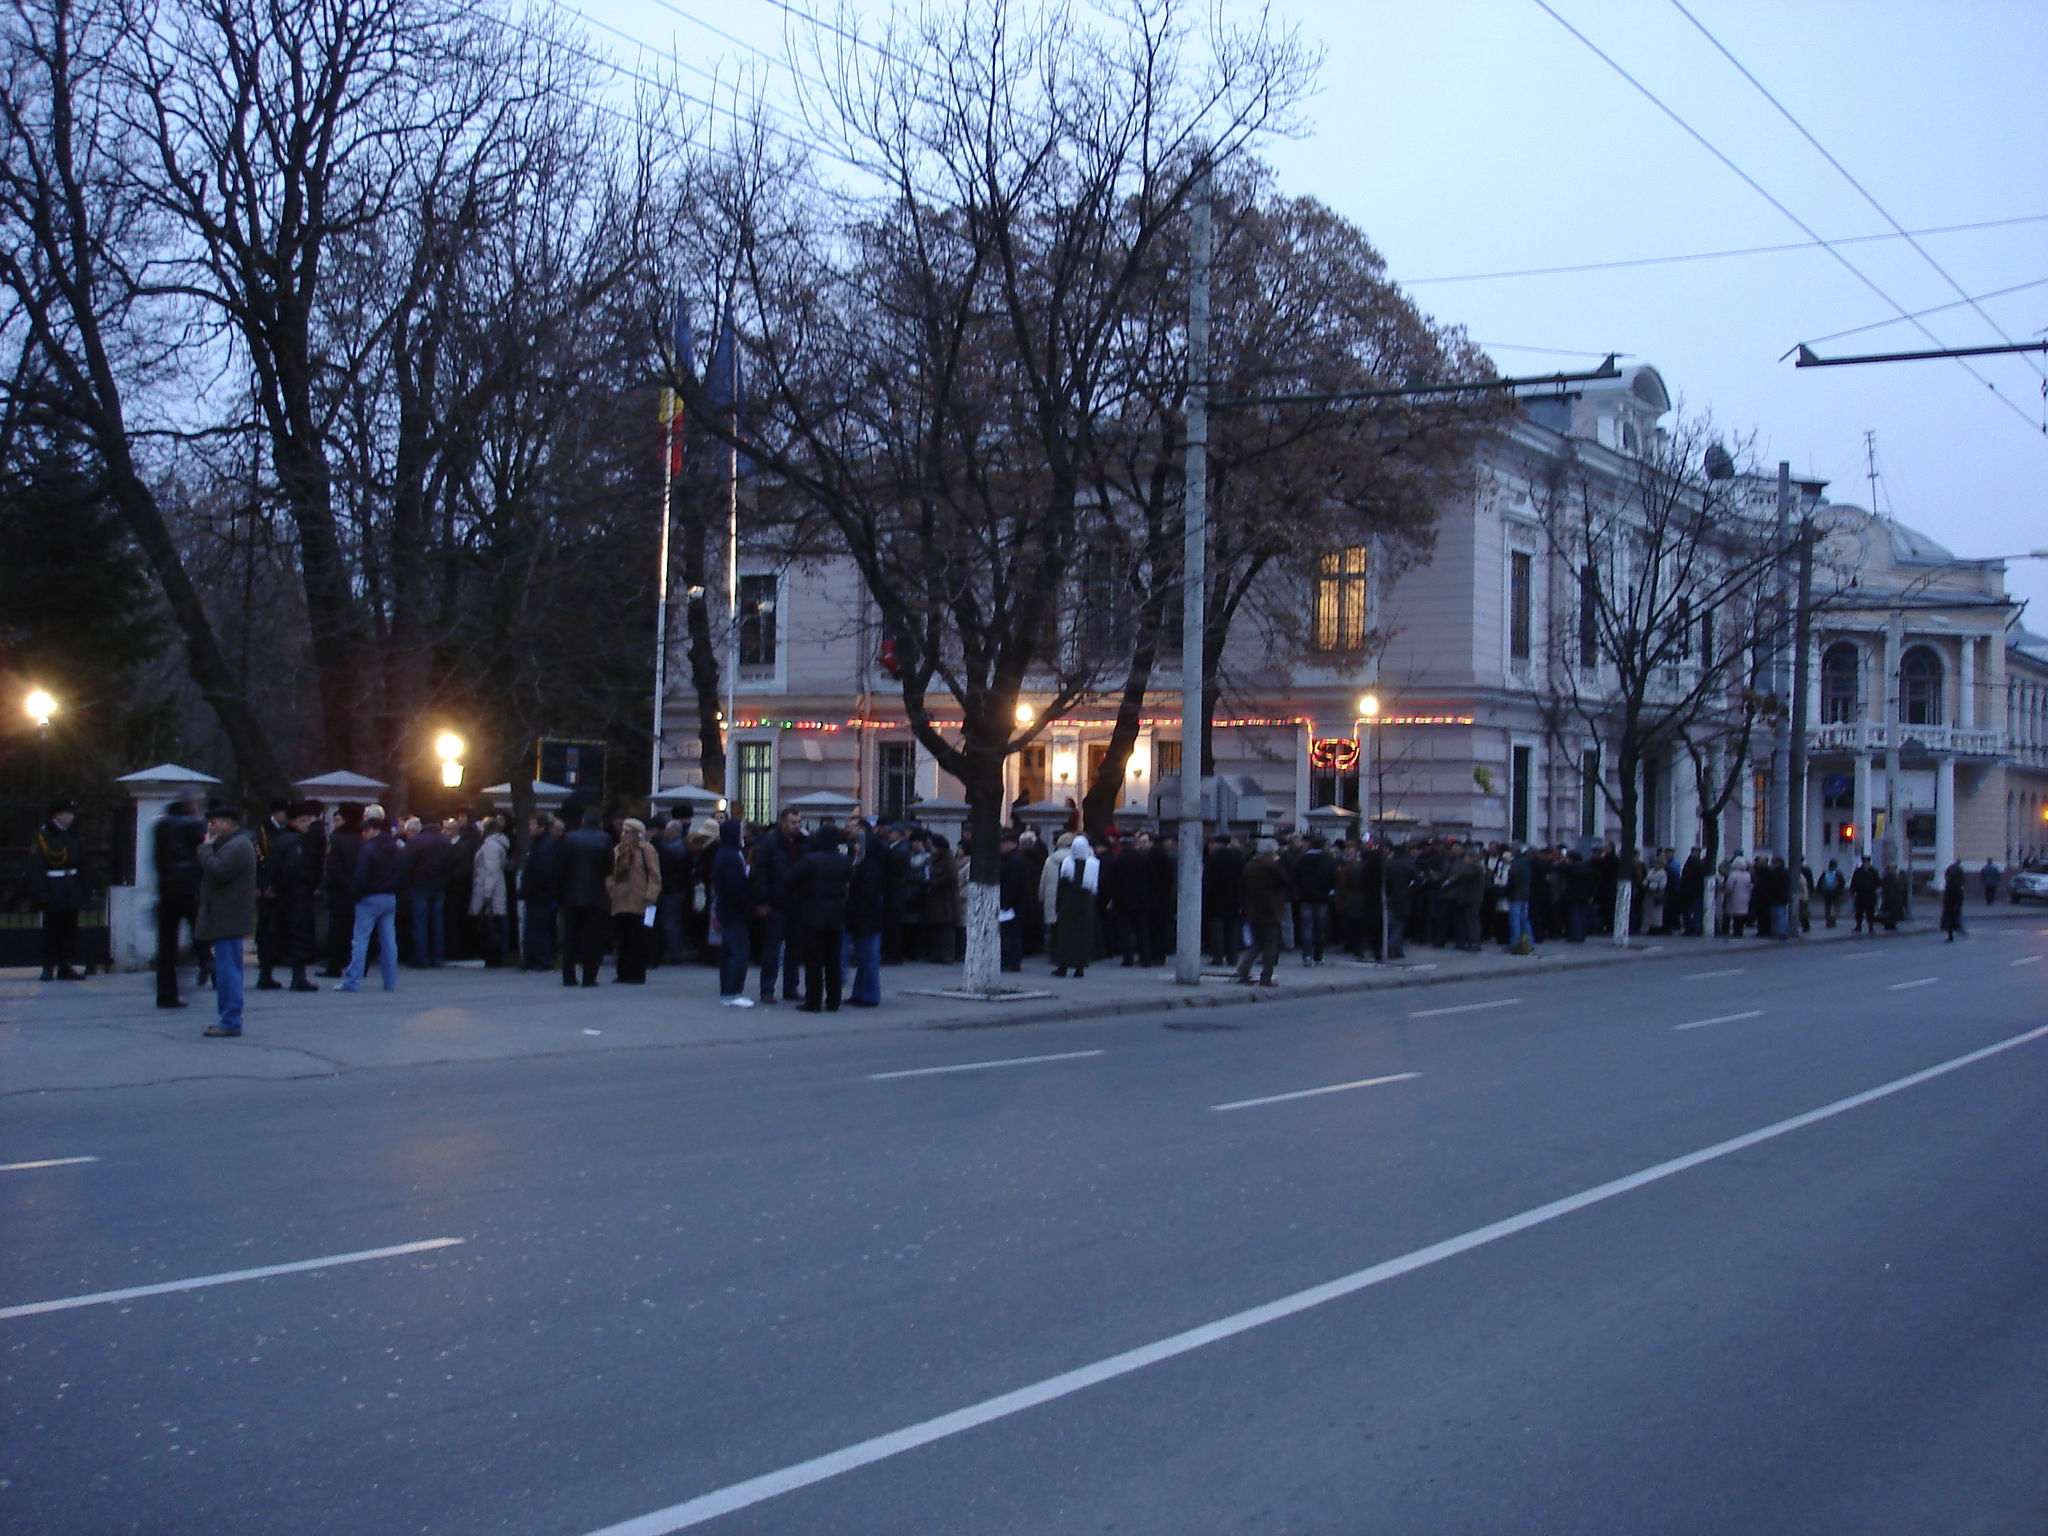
pixel 668 448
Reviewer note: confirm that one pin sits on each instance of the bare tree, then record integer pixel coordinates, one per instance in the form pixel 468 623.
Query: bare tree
pixel 936 359
pixel 1660 607
pixel 76 261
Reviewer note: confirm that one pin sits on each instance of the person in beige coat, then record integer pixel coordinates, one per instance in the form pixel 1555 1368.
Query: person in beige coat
pixel 635 887
pixel 489 891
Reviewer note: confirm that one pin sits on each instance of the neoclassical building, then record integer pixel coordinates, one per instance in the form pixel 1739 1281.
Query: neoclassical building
pixel 1458 654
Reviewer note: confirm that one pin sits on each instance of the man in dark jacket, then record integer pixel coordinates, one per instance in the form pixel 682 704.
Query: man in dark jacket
pixel 1222 918
pixel 732 909
pixel 867 896
pixel 1864 887
pixel 1692 892
pixel 539 879
pixel 1016 892
pixel 429 860
pixel 1129 878
pixel 1315 883
pixel 227 911
pixel 465 837
pixel 56 866
pixel 817 897
pixel 1263 890
pixel 174 840
pixel 284 899
pixel 585 899
pixel 1401 879
pixel 337 879
pixel 1521 886
pixel 776 857
pixel 375 879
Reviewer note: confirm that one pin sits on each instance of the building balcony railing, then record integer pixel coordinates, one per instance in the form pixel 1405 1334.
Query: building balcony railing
pixel 1872 736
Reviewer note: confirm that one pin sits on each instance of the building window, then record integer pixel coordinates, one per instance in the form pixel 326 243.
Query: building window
pixel 1589 792
pixel 1094 755
pixel 1707 637
pixel 1652 835
pixel 1683 628
pixel 1340 601
pixel 757 621
pixel 1333 772
pixel 1589 617
pixel 1920 687
pixel 1521 792
pixel 1031 773
pixel 898 779
pixel 1759 810
pixel 1840 698
pixel 757 782
pixel 1521 577
pixel 1165 759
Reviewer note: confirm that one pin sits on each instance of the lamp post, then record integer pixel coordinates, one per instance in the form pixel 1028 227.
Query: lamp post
pixel 448 747
pixel 1368 715
pixel 41 707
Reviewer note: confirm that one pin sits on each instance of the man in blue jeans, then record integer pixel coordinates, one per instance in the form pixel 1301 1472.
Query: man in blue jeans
pixel 429 860
pixel 227 911
pixel 730 909
pixel 379 871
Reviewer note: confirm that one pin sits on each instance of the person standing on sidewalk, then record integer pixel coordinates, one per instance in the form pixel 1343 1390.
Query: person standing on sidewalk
pixel 818 887
pixel 1521 882
pixel 1954 887
pixel 56 866
pixel 731 911
pixel 1990 872
pixel 1864 887
pixel 337 876
pixel 634 889
pixel 174 840
pixel 776 857
pixel 379 872
pixel 1263 890
pixel 227 911
pixel 1076 932
pixel 867 896
pixel 585 900
pixel 540 878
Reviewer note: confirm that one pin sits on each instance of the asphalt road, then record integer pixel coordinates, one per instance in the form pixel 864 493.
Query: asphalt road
pixel 757 1285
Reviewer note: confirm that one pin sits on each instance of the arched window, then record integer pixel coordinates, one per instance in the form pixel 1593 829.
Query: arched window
pixel 1841 692
pixel 1920 687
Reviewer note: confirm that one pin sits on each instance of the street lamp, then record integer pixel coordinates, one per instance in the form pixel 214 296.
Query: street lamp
pixel 1368 714
pixel 41 707
pixel 1026 714
pixel 448 747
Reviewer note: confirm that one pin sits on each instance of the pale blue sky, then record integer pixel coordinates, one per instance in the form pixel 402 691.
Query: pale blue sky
pixel 1479 136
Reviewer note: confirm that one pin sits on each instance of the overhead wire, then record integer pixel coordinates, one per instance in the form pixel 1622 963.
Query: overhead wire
pixel 1878 325
pixel 1747 250
pixel 1761 191
pixel 1862 191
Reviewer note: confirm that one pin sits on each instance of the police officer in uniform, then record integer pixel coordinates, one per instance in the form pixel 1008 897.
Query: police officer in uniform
pixel 56 864
pixel 174 845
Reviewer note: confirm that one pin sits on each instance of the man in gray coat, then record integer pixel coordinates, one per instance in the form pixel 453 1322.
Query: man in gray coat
pixel 227 910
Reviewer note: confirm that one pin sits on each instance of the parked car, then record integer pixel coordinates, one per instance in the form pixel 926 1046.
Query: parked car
pixel 2029 883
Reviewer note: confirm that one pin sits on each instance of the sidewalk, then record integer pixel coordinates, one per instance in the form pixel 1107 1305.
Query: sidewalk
pixel 107 1032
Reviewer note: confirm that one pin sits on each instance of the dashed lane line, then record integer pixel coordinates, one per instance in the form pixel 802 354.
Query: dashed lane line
pixel 1903 986
pixel 977 1066
pixel 200 1282
pixel 1310 1093
pixel 1726 1018
pixel 1432 1013
pixel 851 1458
pixel 45 1162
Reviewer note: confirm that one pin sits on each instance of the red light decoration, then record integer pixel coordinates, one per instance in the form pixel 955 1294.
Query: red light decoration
pixel 1334 754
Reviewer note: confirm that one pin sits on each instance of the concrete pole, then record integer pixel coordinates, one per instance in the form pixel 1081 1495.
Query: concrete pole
pixel 1187 961
pixel 1894 647
pixel 1778 815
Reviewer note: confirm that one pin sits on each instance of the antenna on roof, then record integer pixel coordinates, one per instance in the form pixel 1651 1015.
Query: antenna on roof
pixel 1870 462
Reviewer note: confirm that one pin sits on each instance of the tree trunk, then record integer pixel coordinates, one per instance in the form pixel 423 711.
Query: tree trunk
pixel 703 659
pixel 984 785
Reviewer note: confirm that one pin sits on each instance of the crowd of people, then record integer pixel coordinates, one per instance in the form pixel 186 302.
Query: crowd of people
pixel 811 917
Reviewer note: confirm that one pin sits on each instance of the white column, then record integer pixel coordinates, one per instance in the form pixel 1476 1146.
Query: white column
pixel 1862 803
pixel 1944 816
pixel 1966 690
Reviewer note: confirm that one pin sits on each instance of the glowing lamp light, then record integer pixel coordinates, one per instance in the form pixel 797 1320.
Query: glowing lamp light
pixel 1026 714
pixel 1368 706
pixel 448 747
pixel 40 707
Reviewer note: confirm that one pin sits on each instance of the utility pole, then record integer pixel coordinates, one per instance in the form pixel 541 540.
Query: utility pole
pixel 1781 746
pixel 1194 587
pixel 1802 641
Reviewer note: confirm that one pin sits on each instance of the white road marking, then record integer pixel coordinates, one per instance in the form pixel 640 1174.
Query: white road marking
pixel 976 1066
pixel 1726 1018
pixel 48 1162
pixel 802 1474
pixel 200 1282
pixel 2029 960
pixel 1431 1013
pixel 1924 981
pixel 1709 975
pixel 1310 1093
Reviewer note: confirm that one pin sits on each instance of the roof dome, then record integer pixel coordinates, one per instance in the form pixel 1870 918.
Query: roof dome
pixel 1912 547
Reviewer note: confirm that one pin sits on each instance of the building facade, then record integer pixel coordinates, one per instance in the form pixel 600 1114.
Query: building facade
pixel 1461 656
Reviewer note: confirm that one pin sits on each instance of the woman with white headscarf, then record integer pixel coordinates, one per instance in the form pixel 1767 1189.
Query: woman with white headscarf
pixel 1076 938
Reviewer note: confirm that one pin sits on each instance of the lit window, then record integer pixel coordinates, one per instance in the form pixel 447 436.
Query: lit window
pixel 1340 601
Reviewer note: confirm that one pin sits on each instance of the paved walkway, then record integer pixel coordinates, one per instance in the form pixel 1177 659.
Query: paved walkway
pixel 106 1032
